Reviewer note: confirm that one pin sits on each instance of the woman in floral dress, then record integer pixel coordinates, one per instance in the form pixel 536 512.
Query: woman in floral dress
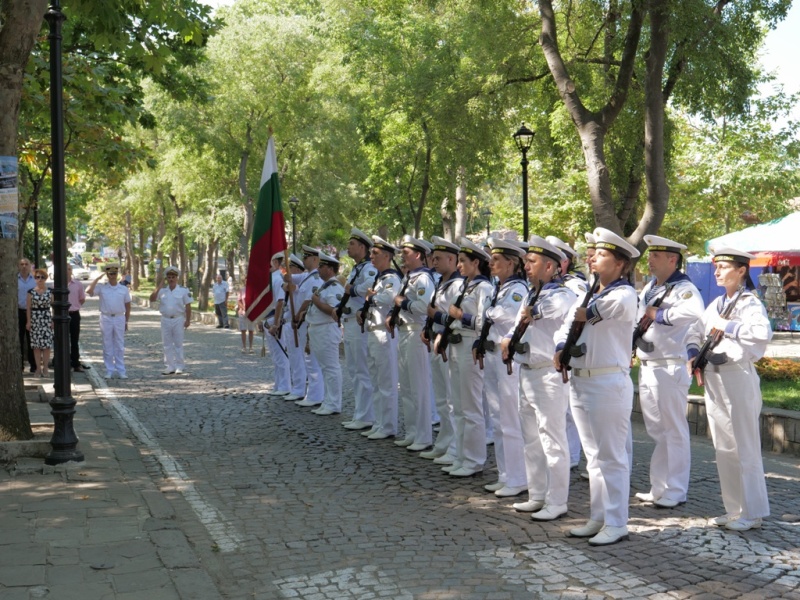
pixel 40 322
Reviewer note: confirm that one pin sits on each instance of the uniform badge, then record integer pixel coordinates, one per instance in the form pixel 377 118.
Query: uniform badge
pixel 389 285
pixel 686 295
pixel 421 292
pixel 338 296
pixel 371 273
pixel 314 290
pixel 516 297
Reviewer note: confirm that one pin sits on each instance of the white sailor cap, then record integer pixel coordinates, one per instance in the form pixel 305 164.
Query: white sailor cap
pixel 277 256
pixel 296 261
pixel 732 255
pixel 428 246
pixel 562 245
pixel 498 246
pixel 605 239
pixel 414 244
pixel 112 266
pixel 443 245
pixel 169 269
pixel 591 242
pixel 540 245
pixel 472 250
pixel 309 251
pixel 327 260
pixel 382 244
pixel 662 244
pixel 360 236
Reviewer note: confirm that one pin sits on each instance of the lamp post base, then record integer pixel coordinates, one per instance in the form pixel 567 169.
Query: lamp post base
pixel 64 440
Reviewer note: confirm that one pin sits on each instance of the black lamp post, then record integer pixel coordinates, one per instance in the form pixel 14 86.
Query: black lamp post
pixel 64 441
pixel 36 251
pixel 293 202
pixel 488 214
pixel 524 139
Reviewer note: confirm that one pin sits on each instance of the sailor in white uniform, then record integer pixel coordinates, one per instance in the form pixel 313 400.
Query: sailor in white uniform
pixel 544 397
pixel 175 306
pixel 275 334
pixel 382 357
pixel 602 396
pixel 732 388
pixel 668 306
pixel 325 335
pixel 355 341
pixel 115 310
pixel 414 364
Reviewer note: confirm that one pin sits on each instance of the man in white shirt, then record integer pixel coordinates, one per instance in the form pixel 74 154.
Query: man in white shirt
pixel 115 310
pixel 175 306
pixel 221 291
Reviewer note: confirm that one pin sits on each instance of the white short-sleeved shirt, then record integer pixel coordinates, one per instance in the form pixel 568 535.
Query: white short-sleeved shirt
pixel 220 291
pixel 113 298
pixel 172 303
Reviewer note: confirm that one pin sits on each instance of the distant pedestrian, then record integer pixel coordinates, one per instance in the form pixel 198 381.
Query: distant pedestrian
pixel 115 310
pixel 25 283
pixel 246 326
pixel 175 306
pixel 221 292
pixel 40 321
pixel 77 296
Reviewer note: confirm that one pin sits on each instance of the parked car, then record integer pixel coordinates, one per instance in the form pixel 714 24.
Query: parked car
pixel 78 272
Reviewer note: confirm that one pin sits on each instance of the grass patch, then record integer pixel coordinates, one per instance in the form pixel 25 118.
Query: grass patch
pixel 776 393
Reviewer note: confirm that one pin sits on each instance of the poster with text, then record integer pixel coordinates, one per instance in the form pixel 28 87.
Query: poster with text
pixel 9 197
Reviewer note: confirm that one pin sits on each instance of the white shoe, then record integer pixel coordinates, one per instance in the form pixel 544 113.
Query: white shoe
pixel 609 535
pixel 591 529
pixel 722 520
pixel 121 376
pixel 369 432
pixel 379 435
pixel 244 350
pixel 293 397
pixel 307 403
pixel 445 459
pixel 493 487
pixel 417 447
pixel 550 512
pixel 645 496
pixel 430 454
pixel 357 425
pixel 279 393
pixel 510 491
pixel 167 372
pixel 448 468
pixel 464 472
pixel 179 371
pixel 742 524
pixel 529 506
pixel 109 375
pixel 404 442
pixel 666 503
pixel 584 474
pixel 324 412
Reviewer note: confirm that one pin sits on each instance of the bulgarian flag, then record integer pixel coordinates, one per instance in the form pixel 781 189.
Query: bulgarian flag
pixel 269 238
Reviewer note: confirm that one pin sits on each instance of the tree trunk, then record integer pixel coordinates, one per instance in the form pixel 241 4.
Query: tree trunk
pixel 20 24
pixel 426 181
pixel 230 261
pixel 461 205
pixel 210 256
pixel 129 249
pixel 247 202
pixel 447 220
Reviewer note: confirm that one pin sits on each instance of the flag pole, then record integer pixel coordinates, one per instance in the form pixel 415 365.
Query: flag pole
pixel 291 298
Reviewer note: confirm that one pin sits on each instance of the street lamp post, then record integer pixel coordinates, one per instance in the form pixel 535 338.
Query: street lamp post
pixel 293 202
pixel 488 214
pixel 64 441
pixel 524 138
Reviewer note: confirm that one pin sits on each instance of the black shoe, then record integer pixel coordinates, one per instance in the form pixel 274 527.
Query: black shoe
pixel 227 327
pixel 86 367
pixel 32 370
pixel 218 327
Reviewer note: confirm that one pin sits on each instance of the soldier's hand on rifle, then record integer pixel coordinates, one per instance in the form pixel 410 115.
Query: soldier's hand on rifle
pixel 456 312
pixel 386 322
pixel 580 314
pixel 398 300
pixel 557 360
pixel 651 312
pixel 504 344
pixel 431 311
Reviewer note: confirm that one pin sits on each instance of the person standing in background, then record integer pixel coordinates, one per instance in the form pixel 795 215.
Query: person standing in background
pixel 221 292
pixel 115 310
pixel 77 296
pixel 175 306
pixel 25 283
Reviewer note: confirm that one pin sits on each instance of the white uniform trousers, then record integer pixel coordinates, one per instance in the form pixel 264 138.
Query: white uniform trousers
pixel 543 400
pixel 316 389
pixel 502 398
pixel 414 369
pixel 355 354
pixel 487 419
pixel 280 359
pixel 466 386
pixel 297 362
pixel 172 331
pixel 324 341
pixel 113 332
pixel 574 439
pixel 601 407
pixel 663 394
pixel 382 363
pixel 733 405
pixel 440 376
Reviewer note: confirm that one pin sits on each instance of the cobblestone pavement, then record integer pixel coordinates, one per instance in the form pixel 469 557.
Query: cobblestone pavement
pixel 280 503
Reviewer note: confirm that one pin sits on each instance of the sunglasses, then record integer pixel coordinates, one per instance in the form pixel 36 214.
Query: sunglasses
pixel 111 273
pixel 39 277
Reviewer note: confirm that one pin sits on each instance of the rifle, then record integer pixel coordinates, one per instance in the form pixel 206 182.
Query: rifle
pixel 367 304
pixel 713 339
pixel 520 329
pixel 444 337
pixel 575 331
pixel 427 329
pixel 347 295
pixel 396 308
pixel 645 322
pixel 480 345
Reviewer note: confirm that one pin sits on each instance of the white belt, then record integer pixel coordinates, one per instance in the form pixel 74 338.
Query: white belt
pixel 539 365
pixel 465 332
pixel 661 362
pixel 112 314
pixel 730 366
pixel 170 316
pixel 411 326
pixel 596 372
pixel 320 324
